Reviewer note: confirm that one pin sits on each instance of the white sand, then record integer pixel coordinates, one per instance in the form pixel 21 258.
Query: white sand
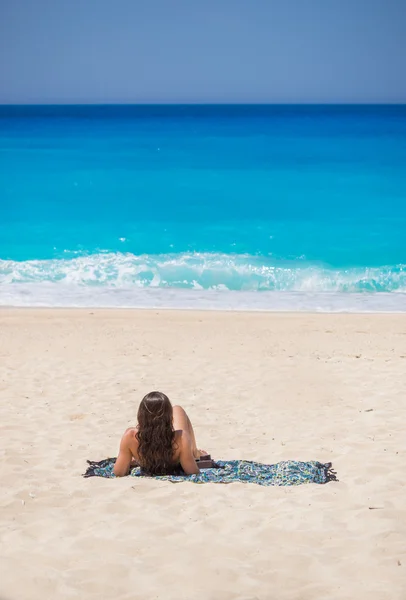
pixel 257 386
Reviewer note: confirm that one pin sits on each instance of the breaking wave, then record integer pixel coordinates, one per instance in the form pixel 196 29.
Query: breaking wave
pixel 201 271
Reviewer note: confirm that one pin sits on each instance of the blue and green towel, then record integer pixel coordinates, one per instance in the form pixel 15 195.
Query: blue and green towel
pixel 287 472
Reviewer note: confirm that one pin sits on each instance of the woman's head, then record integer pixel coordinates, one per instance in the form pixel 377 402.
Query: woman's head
pixel 154 407
pixel 155 433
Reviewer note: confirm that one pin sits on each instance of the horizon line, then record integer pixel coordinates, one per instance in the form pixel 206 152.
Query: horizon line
pixel 198 103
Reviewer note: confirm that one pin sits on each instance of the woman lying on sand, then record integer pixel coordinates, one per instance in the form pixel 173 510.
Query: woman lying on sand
pixel 163 440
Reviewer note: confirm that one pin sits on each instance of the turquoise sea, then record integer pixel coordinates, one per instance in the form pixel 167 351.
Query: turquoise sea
pixel 250 207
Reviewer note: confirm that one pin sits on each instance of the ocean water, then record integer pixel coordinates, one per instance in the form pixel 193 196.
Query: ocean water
pixel 249 207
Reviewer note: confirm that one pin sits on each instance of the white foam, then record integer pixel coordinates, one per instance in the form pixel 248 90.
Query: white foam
pixel 194 280
pixel 208 270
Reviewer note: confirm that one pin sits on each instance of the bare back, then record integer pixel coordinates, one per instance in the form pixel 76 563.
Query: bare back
pixel 128 454
pixel 133 444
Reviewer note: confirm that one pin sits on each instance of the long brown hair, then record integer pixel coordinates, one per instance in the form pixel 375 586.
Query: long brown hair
pixel 155 434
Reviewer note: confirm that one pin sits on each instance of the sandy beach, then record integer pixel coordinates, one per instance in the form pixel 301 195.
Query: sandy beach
pixel 259 386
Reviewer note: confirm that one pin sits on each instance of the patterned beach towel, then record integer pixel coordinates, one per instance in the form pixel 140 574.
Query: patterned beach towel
pixel 288 472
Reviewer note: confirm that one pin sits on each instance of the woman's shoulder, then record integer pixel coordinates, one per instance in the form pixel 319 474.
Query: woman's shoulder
pixel 130 433
pixel 130 430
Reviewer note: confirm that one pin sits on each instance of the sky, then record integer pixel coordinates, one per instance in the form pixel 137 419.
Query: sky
pixel 206 51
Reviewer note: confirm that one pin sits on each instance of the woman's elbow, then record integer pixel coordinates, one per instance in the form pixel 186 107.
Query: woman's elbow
pixel 120 471
pixel 192 470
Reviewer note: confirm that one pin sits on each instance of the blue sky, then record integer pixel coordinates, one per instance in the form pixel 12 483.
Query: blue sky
pixel 202 51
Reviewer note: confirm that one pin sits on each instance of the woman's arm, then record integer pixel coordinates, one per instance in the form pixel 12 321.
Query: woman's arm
pixel 186 458
pixel 125 455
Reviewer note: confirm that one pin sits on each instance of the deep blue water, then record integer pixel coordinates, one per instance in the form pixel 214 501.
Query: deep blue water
pixel 136 205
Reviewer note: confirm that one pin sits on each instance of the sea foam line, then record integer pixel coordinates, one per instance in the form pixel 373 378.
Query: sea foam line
pixel 51 295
